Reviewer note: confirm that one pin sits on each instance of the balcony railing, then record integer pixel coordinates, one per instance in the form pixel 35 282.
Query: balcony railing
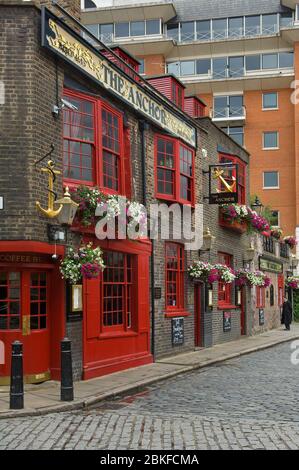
pixel 229 112
pixel 228 73
pixel 284 250
pixel 269 245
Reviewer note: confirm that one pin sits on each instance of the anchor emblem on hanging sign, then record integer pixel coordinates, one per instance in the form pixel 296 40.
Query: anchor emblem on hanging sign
pixel 218 173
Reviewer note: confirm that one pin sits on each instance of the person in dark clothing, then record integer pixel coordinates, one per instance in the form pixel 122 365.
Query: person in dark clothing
pixel 287 313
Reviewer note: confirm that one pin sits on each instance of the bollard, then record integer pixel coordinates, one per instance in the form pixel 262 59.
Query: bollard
pixel 16 378
pixel 67 389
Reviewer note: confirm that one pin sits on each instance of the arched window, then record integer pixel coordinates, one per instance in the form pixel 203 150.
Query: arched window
pixel 271 296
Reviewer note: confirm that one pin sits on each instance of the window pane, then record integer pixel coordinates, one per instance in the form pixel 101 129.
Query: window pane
pixel 270 139
pixel 270 179
pixel 137 28
pixel 220 107
pixel 252 25
pixel 141 66
pixel 173 31
pixel 93 28
pixel 269 24
pixel 203 29
pixel 122 30
pixel 236 105
pixel 286 19
pixel 187 31
pixel 220 67
pixel 235 27
pixel 174 68
pixel 236 66
pixel 270 61
pixel 269 100
pixel 274 218
pixel 203 66
pixel 253 62
pixel 106 32
pixel 188 67
pixel 219 28
pixel 152 26
pixel 286 59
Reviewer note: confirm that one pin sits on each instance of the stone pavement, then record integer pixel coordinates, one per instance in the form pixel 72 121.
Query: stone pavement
pixel 249 402
pixel 44 398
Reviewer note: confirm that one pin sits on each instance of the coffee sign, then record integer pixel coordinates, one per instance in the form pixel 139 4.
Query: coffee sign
pixel 66 43
pixel 271 266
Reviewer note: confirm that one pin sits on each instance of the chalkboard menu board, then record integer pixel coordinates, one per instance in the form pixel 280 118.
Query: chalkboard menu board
pixel 177 331
pixel 227 321
pixel 261 316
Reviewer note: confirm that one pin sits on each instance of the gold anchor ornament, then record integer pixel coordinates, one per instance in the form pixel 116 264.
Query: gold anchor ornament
pixel 50 212
pixel 218 174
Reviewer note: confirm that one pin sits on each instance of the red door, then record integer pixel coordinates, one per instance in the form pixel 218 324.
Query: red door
pixel 243 311
pixel 24 316
pixel 197 315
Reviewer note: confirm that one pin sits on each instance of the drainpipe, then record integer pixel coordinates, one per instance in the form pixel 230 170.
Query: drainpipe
pixel 144 126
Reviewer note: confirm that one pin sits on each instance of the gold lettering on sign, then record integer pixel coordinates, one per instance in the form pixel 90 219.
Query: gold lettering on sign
pixel 64 43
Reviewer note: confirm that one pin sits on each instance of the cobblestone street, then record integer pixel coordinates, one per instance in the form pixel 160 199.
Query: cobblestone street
pixel 245 403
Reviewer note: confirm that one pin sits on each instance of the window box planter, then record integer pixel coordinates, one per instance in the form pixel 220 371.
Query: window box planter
pixel 233 225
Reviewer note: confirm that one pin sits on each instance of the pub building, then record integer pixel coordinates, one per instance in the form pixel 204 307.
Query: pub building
pixel 83 106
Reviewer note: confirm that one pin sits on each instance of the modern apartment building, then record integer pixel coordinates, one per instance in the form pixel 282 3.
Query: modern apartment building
pixel 239 57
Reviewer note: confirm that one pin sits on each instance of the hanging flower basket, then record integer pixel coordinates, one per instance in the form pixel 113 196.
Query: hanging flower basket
pixel 242 217
pixel 276 232
pixel 245 277
pixel 292 282
pixel 290 241
pixel 201 271
pixel 85 263
pixel 225 273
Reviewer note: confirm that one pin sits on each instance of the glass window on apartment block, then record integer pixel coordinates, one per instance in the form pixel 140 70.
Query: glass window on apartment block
pixel 141 66
pixel 235 103
pixel 236 133
pixel 253 62
pixel 252 25
pixel 187 31
pixel 137 28
pixel 219 28
pixel 174 68
pixel 269 24
pixel 203 66
pixel 271 179
pixel 203 30
pixel 235 27
pixel 93 28
pixel 187 67
pixel 286 59
pixel 286 19
pixel 297 13
pixel 236 66
pixel 173 31
pixel 274 218
pixel 220 67
pixel 106 32
pixel 269 61
pixel 220 107
pixel 270 140
pixel 122 30
pixel 152 27
pixel 270 100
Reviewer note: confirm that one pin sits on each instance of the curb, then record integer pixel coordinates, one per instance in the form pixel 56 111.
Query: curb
pixel 87 403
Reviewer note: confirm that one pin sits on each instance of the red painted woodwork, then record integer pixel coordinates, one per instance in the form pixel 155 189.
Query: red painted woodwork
pixel 174 277
pixel 127 163
pixel 110 348
pixel 34 293
pixel 174 167
pixel 280 285
pixel 170 87
pixel 94 140
pixel 126 57
pixel 197 314
pixel 260 297
pixel 224 290
pixel 243 311
pixel 194 106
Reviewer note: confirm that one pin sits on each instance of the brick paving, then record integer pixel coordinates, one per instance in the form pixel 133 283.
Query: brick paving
pixel 245 403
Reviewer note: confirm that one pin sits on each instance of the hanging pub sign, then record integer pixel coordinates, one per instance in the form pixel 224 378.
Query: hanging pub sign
pixel 223 183
pixel 69 45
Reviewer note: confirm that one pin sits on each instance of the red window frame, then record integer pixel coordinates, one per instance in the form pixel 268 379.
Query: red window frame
pixel 113 144
pixel 11 302
pixel 178 154
pixel 117 306
pixel 225 290
pixel 226 158
pixel 174 277
pixel 280 283
pixel 260 297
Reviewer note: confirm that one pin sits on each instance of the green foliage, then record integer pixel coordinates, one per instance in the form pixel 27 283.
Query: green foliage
pixel 267 211
pixel 296 304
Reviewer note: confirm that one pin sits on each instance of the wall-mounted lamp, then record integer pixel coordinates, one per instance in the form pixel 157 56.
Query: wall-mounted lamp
pixel 257 206
pixel 69 209
pixel 64 104
pixel 208 240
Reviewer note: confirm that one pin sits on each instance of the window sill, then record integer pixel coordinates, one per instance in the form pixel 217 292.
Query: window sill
pixel 176 314
pixel 117 334
pixel 227 307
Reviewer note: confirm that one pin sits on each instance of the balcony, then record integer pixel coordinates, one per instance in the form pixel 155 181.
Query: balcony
pixel 284 251
pixel 228 113
pixel 269 245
